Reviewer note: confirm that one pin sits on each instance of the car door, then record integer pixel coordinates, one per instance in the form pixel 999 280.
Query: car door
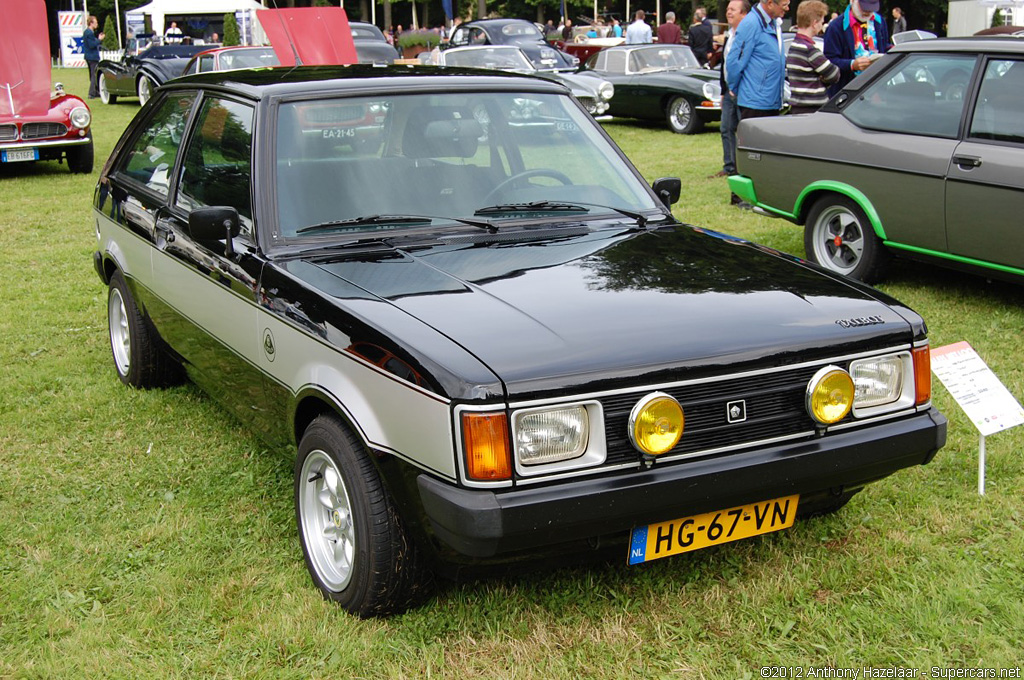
pixel 210 287
pixel 908 124
pixel 985 184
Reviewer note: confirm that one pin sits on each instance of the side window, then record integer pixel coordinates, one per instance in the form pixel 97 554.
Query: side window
pixel 923 94
pixel 218 159
pixel 205 63
pixel 152 157
pixel 999 112
pixel 616 62
pixel 461 36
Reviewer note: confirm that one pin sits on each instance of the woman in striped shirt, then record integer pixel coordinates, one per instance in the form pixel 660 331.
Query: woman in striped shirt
pixel 807 69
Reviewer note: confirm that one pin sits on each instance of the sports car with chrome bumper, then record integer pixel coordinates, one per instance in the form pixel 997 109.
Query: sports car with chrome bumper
pixel 659 82
pixel 520 353
pixel 37 123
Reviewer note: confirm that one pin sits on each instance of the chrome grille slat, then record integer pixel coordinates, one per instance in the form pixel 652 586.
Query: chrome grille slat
pixel 8 133
pixel 43 130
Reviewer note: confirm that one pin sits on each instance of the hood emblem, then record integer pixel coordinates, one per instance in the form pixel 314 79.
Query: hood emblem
pixel 860 321
pixel 736 411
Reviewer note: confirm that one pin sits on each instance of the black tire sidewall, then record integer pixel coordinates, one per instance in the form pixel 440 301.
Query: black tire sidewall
pixel 327 435
pixel 690 127
pixel 132 376
pixel 874 256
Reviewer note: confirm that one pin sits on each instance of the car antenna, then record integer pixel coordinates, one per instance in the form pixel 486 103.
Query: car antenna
pixel 287 34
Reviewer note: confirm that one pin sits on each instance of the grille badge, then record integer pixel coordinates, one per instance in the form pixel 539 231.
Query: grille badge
pixel 736 411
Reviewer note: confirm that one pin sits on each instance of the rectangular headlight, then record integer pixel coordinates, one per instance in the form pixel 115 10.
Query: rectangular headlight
pixel 882 384
pixel 551 435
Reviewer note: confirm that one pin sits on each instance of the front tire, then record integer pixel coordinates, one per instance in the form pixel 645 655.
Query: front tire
pixel 105 95
pixel 145 89
pixel 352 539
pixel 138 359
pixel 839 237
pixel 80 158
pixel 681 117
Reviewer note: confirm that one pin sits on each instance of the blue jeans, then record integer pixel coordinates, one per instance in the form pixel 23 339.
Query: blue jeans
pixel 730 119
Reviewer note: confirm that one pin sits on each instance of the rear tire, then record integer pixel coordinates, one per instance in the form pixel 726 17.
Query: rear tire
pixel 839 237
pixel 80 158
pixel 138 359
pixel 681 117
pixel 352 538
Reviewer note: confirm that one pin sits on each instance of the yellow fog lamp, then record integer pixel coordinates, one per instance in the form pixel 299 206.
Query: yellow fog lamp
pixel 656 424
pixel 830 395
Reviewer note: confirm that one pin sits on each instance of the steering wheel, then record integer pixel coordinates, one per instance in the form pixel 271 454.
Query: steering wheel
pixel 527 174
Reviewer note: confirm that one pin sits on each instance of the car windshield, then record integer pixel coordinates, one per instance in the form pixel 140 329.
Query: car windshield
pixel 446 156
pixel 238 59
pixel 662 58
pixel 502 58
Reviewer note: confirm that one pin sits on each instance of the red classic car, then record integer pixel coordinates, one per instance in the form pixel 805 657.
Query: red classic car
pixel 37 124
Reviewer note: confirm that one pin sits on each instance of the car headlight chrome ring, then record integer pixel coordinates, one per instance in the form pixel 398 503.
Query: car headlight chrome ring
pixel 656 423
pixel 829 395
pixel 80 117
pixel 606 90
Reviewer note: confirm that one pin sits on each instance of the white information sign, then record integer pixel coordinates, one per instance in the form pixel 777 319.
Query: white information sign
pixel 72 26
pixel 978 391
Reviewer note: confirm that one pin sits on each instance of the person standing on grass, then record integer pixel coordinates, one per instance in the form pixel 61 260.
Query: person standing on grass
pixel 807 69
pixel 756 66
pixel 91 51
pixel 735 12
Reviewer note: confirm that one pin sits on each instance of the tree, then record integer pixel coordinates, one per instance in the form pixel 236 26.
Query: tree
pixel 110 34
pixel 997 18
pixel 231 36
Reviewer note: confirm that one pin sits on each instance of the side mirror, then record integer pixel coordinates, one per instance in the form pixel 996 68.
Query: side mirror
pixel 668 190
pixel 208 226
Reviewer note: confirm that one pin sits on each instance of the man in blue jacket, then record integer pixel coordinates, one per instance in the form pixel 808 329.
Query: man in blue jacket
pixel 91 50
pixel 756 65
pixel 854 40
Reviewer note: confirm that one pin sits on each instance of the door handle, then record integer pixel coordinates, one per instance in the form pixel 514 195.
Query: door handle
pixel 967 162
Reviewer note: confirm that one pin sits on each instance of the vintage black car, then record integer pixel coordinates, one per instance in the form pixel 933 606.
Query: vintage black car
pixel 659 82
pixel 137 75
pixel 487 337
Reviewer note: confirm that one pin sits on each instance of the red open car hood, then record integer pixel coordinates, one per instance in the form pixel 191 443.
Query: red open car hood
pixel 24 58
pixel 317 35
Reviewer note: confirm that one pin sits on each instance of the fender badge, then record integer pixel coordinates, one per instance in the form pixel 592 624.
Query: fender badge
pixel 860 321
pixel 268 344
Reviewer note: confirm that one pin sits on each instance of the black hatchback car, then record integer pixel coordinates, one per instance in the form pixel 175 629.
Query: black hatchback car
pixel 486 336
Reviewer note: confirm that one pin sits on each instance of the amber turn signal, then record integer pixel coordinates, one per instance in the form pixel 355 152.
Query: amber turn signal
pixel 486 446
pixel 922 375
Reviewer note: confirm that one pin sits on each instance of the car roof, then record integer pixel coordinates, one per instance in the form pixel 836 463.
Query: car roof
pixel 495 22
pixel 971 44
pixel 358 79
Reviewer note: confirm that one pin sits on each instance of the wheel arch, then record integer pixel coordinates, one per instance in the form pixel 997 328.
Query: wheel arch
pixel 313 401
pixel 812 192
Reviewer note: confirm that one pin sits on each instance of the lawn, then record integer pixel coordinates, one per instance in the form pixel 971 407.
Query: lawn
pixel 146 534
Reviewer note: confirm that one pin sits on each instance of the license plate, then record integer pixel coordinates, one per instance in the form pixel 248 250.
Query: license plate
pixel 655 541
pixel 15 155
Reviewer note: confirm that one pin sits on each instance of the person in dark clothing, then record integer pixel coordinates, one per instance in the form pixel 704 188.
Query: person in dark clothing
pixel 699 37
pixel 899 22
pixel 91 44
pixel 854 40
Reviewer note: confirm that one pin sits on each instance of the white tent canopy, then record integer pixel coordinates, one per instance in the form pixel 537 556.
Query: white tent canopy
pixel 158 9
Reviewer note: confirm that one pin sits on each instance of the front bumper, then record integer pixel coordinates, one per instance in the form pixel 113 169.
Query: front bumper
pixel 487 524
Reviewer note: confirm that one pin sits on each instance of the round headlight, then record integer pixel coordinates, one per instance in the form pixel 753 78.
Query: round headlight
pixel 656 424
pixel 830 395
pixel 607 90
pixel 80 117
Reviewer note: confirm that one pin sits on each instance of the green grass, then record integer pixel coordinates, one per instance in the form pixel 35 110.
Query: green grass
pixel 146 534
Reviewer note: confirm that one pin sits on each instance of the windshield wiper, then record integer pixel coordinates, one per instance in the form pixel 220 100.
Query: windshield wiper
pixel 394 220
pixel 555 206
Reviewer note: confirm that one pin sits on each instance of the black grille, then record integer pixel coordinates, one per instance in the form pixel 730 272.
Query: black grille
pixel 774 408
pixel 8 133
pixel 42 130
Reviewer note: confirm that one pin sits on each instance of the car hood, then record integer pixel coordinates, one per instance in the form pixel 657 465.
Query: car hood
pixel 588 309
pixel 24 59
